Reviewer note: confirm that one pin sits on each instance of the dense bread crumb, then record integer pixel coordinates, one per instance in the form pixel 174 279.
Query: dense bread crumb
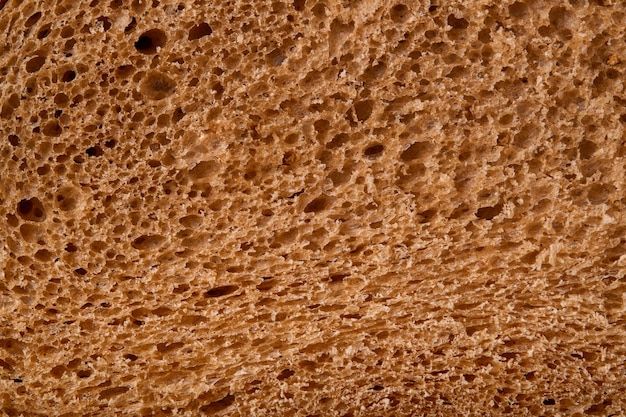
pixel 312 208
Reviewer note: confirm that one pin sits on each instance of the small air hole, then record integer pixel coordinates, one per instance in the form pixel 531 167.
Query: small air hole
pixel 364 109
pixel 317 205
pixel 518 9
pixel 221 291
pixel 148 242
pixel 84 373
pixel 144 44
pixel 31 210
pixel 219 405
pixel 399 13
pixel 124 71
pixel 32 20
pixel 35 64
pixel 457 23
pixel 44 32
pixel 131 25
pixel 488 213
pixel 58 371
pixel 149 41
pixel 285 374
pixel 417 150
pixel 105 22
pixel 612 74
pixel 43 255
pixel 95 151
pixel 338 277
pixel 157 86
pixel 338 141
pixel 374 151
pixel 68 76
pixel 469 377
pixel 52 128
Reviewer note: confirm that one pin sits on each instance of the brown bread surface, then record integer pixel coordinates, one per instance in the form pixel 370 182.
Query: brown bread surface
pixel 312 208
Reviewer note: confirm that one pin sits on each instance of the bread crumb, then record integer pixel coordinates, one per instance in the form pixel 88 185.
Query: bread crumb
pixel 613 60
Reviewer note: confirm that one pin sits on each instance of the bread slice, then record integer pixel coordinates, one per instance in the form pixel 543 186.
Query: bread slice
pixel 312 208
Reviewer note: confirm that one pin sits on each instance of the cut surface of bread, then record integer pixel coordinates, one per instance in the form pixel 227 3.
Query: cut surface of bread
pixel 312 208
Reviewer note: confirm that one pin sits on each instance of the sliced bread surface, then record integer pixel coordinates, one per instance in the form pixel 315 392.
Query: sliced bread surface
pixel 312 208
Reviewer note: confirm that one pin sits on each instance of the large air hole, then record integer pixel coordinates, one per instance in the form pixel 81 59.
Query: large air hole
pixel 199 31
pixel 149 41
pixel 31 210
pixel 318 204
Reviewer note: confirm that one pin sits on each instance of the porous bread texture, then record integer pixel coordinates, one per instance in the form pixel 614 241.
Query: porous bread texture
pixel 312 208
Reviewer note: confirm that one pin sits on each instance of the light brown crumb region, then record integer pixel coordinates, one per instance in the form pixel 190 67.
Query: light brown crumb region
pixel 312 208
